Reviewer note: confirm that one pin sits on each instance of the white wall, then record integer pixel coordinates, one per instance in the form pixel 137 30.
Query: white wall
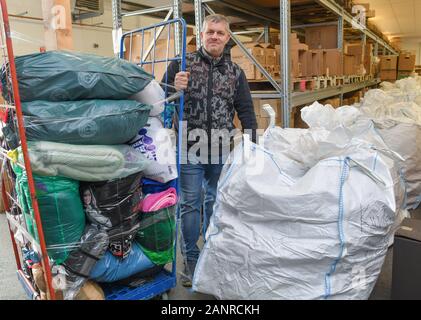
pixel 29 34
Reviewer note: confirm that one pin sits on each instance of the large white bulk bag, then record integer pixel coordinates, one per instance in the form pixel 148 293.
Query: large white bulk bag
pixel 282 231
pixel 399 125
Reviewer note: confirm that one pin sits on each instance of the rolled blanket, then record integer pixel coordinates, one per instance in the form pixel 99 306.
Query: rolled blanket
pixel 152 186
pixel 85 122
pixel 65 76
pixel 85 162
pixel 158 201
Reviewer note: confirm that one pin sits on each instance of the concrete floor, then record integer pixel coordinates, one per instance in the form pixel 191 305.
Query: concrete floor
pixel 10 288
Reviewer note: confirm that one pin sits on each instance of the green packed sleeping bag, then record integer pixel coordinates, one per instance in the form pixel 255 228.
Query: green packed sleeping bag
pixel 98 122
pixel 156 235
pixel 64 76
pixel 24 199
pixel 62 215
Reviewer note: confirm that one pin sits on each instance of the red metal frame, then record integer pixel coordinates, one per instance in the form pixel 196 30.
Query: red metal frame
pixel 31 184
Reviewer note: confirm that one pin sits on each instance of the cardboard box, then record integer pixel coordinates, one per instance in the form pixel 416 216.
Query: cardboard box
pixel 248 68
pixel 368 59
pixel 295 63
pixel 333 61
pixel 254 48
pixel 275 38
pixel 299 60
pixel 350 66
pixel 296 56
pixel 318 62
pixel 322 37
pixel 406 62
pixel 388 75
pixel 334 102
pixel 303 57
pixel 388 62
pixel 270 54
pixel 274 70
pixel 306 65
pixel 238 56
pixel 357 50
pixel 406 273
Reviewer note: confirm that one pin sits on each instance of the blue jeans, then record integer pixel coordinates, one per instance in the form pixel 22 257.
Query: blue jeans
pixel 192 178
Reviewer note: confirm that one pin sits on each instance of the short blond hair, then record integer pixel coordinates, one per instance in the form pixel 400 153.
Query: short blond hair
pixel 216 18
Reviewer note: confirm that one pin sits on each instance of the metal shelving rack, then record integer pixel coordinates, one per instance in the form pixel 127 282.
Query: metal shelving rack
pixel 283 89
pixel 173 11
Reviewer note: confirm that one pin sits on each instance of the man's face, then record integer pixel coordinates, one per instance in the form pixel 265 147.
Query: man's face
pixel 215 37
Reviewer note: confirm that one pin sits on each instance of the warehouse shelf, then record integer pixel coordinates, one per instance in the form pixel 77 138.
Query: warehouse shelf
pixel 303 98
pixel 327 12
pixel 255 18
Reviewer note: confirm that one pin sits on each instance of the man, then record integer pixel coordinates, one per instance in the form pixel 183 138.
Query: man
pixel 215 88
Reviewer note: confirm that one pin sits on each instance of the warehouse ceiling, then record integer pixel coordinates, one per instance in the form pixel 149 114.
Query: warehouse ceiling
pixel 250 14
pixel 397 18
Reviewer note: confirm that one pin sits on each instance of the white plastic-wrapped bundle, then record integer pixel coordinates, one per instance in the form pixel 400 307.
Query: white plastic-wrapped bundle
pixel 153 95
pixel 307 216
pixel 157 144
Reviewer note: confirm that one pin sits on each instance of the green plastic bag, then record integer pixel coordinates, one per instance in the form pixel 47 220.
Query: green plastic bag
pixel 156 235
pixel 62 215
pixel 98 122
pixel 64 76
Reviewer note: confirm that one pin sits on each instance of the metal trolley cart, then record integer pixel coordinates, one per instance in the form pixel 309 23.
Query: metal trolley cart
pixel 11 113
pixel 165 280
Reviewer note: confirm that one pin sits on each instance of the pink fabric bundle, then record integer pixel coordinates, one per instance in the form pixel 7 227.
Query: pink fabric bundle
pixel 156 201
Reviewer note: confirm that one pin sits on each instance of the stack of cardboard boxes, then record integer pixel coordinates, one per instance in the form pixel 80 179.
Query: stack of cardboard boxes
pixel 388 68
pixel 406 64
pixel 358 61
pixel 316 58
pixel 137 45
pixel 301 58
pixel 319 57
pixel 264 53
pixel 323 43
pixel 239 57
